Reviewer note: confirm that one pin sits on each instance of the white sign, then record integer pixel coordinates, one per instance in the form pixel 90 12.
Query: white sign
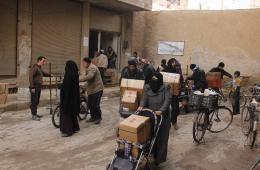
pixel 85 41
pixel 171 47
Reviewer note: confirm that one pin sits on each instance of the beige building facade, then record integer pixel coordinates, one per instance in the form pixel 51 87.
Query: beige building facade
pixel 62 30
pixel 209 37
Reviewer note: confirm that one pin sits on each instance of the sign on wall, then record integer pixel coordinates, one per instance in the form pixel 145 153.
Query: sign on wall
pixel 171 47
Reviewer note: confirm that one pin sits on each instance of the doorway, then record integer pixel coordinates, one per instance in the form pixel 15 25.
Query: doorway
pixel 101 40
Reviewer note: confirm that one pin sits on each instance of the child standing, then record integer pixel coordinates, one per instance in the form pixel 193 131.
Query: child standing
pixel 236 93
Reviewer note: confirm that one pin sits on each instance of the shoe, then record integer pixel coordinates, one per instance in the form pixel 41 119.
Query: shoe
pixel 90 120
pixel 34 117
pixel 97 121
pixel 65 135
pixel 39 116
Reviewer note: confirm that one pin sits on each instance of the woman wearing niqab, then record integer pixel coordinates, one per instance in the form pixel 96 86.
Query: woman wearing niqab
pixel 70 100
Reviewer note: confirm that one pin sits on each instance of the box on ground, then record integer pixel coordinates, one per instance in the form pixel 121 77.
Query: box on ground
pixel 214 79
pixel 135 129
pixel 132 84
pixel 129 100
pixel 3 92
pixel 173 80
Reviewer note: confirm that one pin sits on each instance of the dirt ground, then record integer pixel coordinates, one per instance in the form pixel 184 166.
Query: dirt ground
pixel 31 145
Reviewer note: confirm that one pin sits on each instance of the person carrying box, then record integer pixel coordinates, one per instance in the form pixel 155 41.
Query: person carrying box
pixel 157 97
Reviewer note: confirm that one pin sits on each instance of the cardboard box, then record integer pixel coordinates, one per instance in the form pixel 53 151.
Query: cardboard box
pixel 3 93
pixel 214 79
pixel 132 84
pixel 173 80
pixel 3 98
pixel 129 100
pixel 135 129
pixel 3 88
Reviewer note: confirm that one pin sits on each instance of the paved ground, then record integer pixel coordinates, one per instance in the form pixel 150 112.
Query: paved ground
pixel 30 145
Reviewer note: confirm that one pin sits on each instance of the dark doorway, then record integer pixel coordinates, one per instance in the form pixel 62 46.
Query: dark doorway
pixel 93 43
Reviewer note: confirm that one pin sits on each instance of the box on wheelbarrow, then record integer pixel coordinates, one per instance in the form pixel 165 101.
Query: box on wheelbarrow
pixel 129 100
pixel 136 129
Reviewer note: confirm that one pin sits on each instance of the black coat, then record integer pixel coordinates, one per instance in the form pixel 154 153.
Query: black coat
pixel 70 100
pixel 221 71
pixel 199 78
pixel 127 74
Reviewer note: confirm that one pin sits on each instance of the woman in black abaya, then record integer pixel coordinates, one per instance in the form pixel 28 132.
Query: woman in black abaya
pixel 70 100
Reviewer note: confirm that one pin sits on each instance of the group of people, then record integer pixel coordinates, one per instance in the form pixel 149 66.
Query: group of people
pixel 104 60
pixel 158 98
pixel 70 93
pixel 157 95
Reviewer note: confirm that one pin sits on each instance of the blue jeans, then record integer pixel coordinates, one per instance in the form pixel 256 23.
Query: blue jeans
pixel 94 105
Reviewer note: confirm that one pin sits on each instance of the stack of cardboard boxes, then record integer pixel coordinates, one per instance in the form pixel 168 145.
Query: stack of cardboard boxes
pixel 3 92
pixel 214 79
pixel 131 93
pixel 173 80
pixel 135 129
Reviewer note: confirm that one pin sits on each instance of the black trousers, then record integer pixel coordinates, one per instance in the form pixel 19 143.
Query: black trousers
pixel 175 109
pixel 236 101
pixel 94 105
pixel 35 99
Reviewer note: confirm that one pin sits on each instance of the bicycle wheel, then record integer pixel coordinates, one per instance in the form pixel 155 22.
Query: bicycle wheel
pixel 245 120
pixel 243 99
pixel 83 109
pixel 199 126
pixel 56 117
pixel 220 119
pixel 252 134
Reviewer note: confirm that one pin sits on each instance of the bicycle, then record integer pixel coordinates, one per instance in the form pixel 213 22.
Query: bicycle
pixel 82 115
pixel 245 115
pixel 210 116
pixel 253 122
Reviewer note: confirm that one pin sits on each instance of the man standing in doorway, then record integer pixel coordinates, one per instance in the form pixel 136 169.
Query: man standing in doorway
pixel 102 63
pixel 111 58
pixel 35 77
pixel 94 89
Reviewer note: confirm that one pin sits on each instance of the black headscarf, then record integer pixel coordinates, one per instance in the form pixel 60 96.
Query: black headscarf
pixel 156 82
pixel 70 97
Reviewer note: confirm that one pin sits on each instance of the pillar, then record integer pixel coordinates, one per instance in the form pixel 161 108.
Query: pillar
pixel 85 30
pixel 24 41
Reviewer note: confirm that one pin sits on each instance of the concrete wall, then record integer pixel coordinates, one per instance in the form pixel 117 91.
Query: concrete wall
pixel 210 37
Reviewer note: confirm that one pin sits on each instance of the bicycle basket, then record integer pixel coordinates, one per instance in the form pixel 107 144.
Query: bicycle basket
pixel 195 100
pixel 256 90
pixel 257 98
pixel 210 101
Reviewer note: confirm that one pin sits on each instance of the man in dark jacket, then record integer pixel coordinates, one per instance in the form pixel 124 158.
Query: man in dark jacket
pixel 173 66
pixel 148 70
pixel 199 78
pixel 220 69
pixel 35 77
pixel 131 71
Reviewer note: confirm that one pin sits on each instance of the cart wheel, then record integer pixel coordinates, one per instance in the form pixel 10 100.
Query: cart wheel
pixel 83 110
pixel 110 168
pixel 150 165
